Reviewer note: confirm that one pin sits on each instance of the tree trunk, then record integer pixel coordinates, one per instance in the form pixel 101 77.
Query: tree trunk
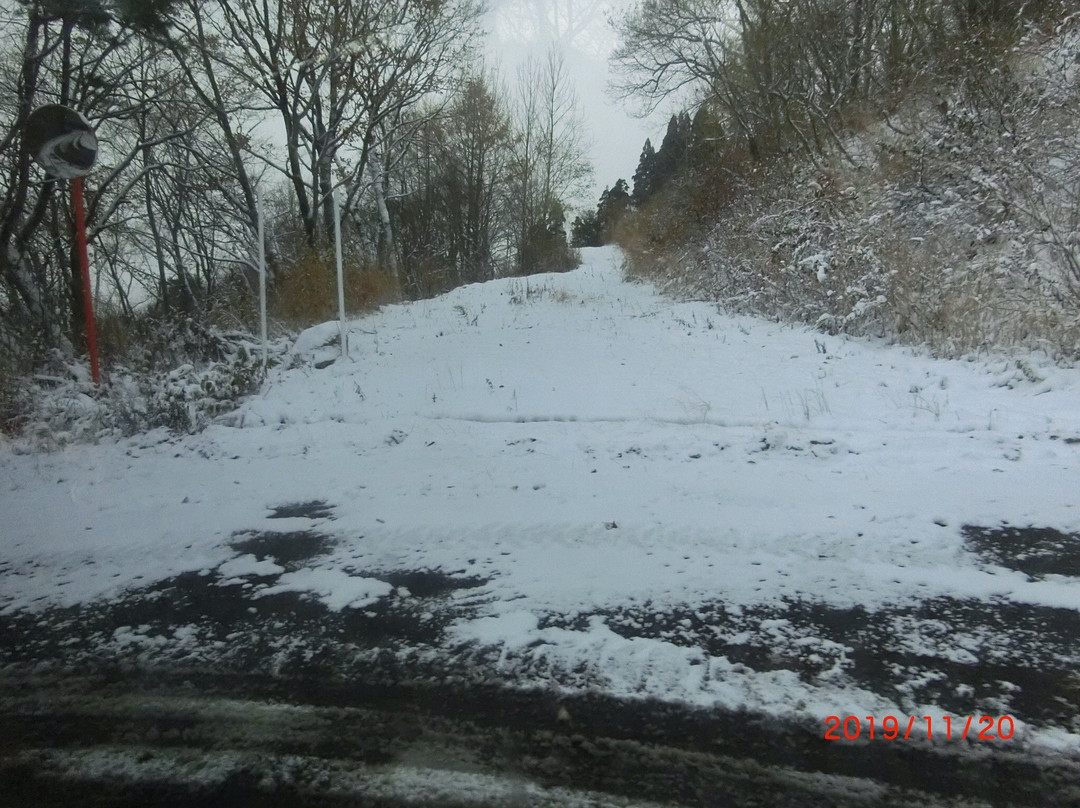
pixel 388 251
pixel 152 222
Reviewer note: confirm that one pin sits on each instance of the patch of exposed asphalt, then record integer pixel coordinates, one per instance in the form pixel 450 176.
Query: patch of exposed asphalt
pixel 1035 551
pixel 430 583
pixel 197 691
pixel 967 657
pixel 287 549
pixel 206 618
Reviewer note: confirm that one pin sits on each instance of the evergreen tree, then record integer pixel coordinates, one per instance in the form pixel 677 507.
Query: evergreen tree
pixel 585 231
pixel 150 16
pixel 545 248
pixel 85 14
pixel 672 155
pixel 644 176
pixel 614 203
pixel 656 168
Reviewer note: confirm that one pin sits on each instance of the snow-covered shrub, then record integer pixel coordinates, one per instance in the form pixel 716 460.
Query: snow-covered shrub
pixel 181 380
pixel 188 398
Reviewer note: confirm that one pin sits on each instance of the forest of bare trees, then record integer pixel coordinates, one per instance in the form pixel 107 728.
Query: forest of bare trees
pixel 445 171
pixel 796 74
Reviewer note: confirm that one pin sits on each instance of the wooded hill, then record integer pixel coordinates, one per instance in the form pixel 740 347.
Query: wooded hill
pixel 895 168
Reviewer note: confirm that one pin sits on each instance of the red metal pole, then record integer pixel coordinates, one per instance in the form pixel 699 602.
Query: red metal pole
pixel 84 266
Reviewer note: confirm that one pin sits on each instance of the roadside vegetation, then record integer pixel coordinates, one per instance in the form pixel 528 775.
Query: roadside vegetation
pixel 902 169
pixel 444 171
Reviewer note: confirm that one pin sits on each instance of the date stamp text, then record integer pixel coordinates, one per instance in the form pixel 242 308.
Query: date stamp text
pixel 945 727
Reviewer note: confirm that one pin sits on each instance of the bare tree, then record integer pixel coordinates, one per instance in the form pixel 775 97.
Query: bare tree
pixel 452 208
pixel 782 73
pixel 481 137
pixel 202 56
pixel 550 165
pixel 672 47
pixel 332 74
pixel 566 23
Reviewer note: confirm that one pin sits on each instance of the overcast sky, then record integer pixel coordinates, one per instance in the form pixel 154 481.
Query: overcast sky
pixel 580 27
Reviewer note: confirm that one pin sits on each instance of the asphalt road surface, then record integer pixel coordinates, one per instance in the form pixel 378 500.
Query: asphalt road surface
pixel 193 692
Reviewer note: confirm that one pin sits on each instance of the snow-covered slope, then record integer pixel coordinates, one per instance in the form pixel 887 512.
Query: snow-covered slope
pixel 584 444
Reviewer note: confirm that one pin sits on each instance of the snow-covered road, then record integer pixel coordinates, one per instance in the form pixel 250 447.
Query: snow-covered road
pixel 593 453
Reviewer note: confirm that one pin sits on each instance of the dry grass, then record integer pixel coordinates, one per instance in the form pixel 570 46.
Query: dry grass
pixel 890 273
pixel 306 292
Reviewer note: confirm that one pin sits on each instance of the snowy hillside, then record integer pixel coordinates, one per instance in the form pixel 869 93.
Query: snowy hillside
pixel 592 452
pixel 947 219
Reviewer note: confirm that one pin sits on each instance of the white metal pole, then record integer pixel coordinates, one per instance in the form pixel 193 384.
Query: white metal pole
pixel 340 277
pixel 262 281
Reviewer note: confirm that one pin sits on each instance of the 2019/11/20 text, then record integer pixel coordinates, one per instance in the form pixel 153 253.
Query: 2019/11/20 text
pixel 891 728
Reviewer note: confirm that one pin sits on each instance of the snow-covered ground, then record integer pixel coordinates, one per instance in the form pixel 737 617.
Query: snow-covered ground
pixel 586 445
